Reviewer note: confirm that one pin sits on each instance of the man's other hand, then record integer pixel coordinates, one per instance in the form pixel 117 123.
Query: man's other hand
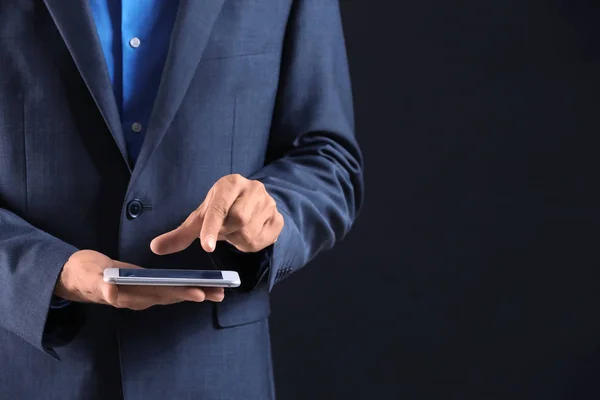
pixel 82 280
pixel 236 210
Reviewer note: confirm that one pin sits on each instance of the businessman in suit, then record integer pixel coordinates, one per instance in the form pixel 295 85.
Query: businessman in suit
pixel 163 134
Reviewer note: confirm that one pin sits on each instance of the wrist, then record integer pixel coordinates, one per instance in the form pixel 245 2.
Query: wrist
pixel 61 290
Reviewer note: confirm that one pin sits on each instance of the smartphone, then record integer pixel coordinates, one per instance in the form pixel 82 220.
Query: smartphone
pixel 172 277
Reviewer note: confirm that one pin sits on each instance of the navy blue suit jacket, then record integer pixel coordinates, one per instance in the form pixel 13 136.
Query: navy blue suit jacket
pixel 254 87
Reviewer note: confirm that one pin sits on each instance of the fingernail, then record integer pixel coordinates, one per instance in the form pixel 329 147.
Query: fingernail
pixel 211 243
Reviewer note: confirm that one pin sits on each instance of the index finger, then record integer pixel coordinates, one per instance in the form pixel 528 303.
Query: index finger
pixel 179 238
pixel 216 212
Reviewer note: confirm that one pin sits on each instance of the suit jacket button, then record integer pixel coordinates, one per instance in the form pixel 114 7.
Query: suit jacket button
pixel 135 208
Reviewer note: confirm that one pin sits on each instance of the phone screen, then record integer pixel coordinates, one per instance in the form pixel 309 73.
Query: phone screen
pixel 170 273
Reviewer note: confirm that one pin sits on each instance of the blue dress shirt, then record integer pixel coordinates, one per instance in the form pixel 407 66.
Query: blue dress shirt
pixel 135 36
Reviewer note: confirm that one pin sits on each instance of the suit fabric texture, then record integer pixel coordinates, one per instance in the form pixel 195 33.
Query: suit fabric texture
pixel 258 88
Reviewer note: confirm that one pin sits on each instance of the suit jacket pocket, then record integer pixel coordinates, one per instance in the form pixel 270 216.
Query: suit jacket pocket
pixel 240 308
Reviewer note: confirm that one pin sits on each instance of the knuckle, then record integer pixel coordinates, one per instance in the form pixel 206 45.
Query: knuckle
pixel 237 178
pixel 258 185
pixel 120 304
pixel 251 241
pixel 234 179
pixel 253 247
pixel 219 209
pixel 193 294
pixel 246 235
pixel 240 217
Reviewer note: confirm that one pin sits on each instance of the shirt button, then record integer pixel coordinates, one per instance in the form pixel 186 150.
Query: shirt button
pixel 134 42
pixel 136 127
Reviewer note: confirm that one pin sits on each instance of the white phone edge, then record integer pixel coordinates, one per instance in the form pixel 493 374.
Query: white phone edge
pixel 231 279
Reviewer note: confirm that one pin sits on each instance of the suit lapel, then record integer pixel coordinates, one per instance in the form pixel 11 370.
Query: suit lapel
pixel 193 26
pixel 77 28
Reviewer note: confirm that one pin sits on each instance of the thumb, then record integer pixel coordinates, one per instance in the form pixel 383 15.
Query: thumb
pixel 174 241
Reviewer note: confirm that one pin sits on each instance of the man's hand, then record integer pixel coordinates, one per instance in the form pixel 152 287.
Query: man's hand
pixel 236 210
pixel 82 280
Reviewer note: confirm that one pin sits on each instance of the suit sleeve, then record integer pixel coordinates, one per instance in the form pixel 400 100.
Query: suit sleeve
pixel 314 166
pixel 30 264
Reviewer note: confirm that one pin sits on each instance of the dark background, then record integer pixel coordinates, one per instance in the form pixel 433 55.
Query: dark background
pixel 472 272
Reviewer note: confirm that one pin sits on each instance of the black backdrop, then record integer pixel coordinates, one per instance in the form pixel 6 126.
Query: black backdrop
pixel 472 272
